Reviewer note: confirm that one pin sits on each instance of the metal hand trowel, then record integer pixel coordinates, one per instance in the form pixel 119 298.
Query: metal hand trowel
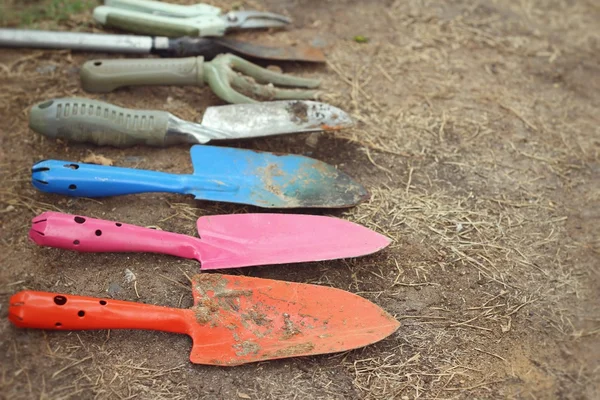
pixel 91 121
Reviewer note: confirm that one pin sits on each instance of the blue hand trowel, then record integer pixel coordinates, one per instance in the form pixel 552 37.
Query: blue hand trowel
pixel 220 174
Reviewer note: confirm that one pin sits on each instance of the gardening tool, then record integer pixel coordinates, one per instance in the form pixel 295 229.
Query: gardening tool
pixel 220 174
pixel 102 76
pixel 174 20
pixel 186 46
pixel 234 320
pixel 226 241
pixel 85 120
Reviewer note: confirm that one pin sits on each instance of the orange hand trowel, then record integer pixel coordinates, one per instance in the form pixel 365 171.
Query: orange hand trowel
pixel 234 320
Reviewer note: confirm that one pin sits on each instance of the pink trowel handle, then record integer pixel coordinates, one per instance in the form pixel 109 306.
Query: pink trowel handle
pixel 74 232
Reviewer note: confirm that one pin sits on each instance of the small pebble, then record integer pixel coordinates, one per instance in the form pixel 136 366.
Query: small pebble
pixel 129 276
pixel 313 139
pixel 318 42
pixel 113 289
pixel 46 69
pixel 133 159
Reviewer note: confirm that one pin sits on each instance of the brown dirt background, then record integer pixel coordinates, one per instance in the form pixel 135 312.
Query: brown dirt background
pixel 478 137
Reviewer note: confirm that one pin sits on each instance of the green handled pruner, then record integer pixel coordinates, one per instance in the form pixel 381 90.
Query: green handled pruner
pixel 232 78
pixel 174 20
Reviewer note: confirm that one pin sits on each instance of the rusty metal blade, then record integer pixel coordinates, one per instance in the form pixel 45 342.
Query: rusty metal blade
pixel 289 53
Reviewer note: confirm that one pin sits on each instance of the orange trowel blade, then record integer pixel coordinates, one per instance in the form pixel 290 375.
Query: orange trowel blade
pixel 238 320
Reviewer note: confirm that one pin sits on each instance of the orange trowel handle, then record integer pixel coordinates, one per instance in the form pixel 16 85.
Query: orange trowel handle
pixel 43 310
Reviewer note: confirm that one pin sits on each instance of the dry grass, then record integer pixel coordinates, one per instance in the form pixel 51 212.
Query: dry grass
pixel 502 225
pixel 94 368
pixel 504 275
pixel 477 135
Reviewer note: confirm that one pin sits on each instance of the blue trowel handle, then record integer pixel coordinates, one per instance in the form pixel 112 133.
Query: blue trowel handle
pixel 90 180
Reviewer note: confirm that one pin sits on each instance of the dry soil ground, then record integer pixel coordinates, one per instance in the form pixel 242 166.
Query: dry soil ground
pixel 478 138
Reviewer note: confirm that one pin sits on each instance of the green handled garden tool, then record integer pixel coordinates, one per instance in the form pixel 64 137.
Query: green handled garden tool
pixel 221 74
pixel 92 121
pixel 174 20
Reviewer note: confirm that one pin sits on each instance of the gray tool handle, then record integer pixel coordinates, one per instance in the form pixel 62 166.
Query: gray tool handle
pixel 103 76
pixel 76 41
pixel 90 121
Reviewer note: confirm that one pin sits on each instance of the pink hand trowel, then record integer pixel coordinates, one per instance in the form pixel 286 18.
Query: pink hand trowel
pixel 226 241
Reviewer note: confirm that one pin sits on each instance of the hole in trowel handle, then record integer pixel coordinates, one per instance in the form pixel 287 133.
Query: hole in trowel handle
pixel 39 169
pixel 46 104
pixel 60 300
pixel 97 63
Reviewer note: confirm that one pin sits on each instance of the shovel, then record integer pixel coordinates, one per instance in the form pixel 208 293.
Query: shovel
pixel 234 320
pixel 91 121
pixel 226 241
pixel 220 174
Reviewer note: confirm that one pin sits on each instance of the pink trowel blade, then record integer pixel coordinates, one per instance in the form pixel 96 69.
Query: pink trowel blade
pixel 226 241
pixel 262 239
